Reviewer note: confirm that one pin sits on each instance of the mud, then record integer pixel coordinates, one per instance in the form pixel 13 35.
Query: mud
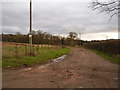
pixel 80 69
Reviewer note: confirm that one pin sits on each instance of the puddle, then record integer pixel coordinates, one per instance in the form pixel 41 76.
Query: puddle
pixel 45 66
pixel 80 87
pixel 59 58
pixel 28 69
pixel 42 67
pixel 115 78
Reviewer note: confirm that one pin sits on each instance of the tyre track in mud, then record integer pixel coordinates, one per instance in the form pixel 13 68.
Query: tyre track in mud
pixel 79 69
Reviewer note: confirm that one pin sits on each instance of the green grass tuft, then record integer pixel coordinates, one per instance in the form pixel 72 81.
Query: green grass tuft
pixel 44 55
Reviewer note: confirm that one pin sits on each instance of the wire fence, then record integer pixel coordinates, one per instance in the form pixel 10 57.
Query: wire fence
pixel 18 50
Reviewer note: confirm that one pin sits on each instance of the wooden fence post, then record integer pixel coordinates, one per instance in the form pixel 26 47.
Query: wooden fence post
pixel 25 49
pixel 16 51
pixel 38 48
pixel 33 50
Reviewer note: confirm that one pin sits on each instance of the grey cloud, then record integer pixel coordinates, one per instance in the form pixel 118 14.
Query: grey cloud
pixel 11 29
pixel 56 18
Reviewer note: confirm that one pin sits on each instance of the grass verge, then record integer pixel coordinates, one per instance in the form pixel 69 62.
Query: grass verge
pixel 105 56
pixel 44 55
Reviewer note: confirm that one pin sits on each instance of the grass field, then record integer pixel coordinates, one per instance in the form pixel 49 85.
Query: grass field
pixel 43 54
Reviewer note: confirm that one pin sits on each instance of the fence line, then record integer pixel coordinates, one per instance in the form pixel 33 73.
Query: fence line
pixel 24 48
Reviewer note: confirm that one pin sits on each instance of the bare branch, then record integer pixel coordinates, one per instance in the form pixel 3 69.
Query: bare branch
pixel 110 7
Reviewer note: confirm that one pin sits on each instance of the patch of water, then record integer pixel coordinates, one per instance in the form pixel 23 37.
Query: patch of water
pixel 80 87
pixel 44 66
pixel 59 58
pixel 115 78
pixel 27 69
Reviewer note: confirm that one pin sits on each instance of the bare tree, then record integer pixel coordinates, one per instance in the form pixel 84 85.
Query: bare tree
pixel 72 36
pixel 18 33
pixel 111 7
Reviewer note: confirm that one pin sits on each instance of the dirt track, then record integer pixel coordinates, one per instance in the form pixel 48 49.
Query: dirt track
pixel 80 69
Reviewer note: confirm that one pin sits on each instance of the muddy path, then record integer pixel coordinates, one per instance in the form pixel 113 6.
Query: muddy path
pixel 80 69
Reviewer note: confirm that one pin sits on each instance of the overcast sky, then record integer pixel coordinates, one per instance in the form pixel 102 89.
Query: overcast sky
pixel 59 18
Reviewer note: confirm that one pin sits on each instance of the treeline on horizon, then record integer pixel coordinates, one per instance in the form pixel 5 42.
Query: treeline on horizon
pixel 40 37
pixel 110 47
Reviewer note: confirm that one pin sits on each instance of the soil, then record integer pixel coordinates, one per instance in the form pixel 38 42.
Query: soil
pixel 79 69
